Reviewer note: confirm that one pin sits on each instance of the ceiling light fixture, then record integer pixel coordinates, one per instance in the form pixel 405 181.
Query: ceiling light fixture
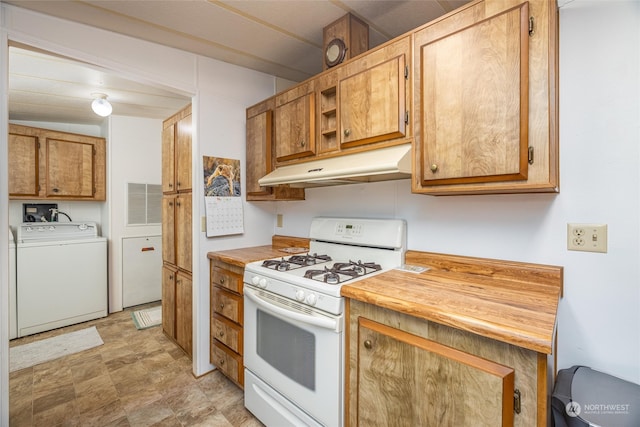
pixel 100 105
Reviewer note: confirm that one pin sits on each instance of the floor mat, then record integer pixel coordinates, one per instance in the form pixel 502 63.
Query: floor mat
pixel 27 355
pixel 147 318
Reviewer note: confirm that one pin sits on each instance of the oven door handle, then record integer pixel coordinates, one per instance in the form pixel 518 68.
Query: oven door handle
pixel 322 322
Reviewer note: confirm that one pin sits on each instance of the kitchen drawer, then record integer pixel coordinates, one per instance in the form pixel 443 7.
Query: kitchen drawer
pixel 226 279
pixel 227 304
pixel 229 363
pixel 227 332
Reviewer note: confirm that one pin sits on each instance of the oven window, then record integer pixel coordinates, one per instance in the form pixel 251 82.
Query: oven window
pixel 288 348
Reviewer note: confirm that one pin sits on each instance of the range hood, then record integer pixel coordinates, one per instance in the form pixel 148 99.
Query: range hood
pixel 382 164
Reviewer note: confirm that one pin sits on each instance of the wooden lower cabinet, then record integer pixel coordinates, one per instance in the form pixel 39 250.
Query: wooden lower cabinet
pixel 405 371
pixel 227 319
pixel 177 315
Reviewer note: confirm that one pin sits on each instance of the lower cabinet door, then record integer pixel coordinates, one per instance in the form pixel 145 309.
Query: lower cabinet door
pixel 407 380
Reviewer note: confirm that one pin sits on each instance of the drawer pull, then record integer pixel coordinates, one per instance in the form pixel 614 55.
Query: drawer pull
pixel 221 362
pixel 222 280
pixel 221 306
pixel 368 345
pixel 221 333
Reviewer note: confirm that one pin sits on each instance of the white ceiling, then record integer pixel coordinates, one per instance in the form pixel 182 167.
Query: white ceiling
pixel 278 37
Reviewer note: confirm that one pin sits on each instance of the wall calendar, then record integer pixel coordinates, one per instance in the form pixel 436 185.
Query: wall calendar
pixel 222 196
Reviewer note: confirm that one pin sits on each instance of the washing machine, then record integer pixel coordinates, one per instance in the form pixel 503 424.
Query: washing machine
pixel 61 275
pixel 13 317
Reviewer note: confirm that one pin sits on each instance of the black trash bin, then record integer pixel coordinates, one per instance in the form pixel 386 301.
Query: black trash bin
pixel 583 397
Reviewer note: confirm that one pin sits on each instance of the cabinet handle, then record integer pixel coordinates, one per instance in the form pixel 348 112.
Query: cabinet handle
pixel 170 185
pixel 347 132
pixel 221 305
pixel 171 277
pixel 368 344
pixel 221 333
pixel 434 168
pixel 55 190
pixel 302 143
pixel 221 362
pixel 222 280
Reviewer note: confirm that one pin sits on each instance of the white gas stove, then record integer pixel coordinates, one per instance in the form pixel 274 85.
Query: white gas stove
pixel 294 319
pixel 340 250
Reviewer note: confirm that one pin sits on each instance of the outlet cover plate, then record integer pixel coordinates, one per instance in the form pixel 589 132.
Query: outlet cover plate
pixel 587 237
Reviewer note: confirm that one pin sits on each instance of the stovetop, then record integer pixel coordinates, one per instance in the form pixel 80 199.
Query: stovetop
pixel 322 268
pixel 340 251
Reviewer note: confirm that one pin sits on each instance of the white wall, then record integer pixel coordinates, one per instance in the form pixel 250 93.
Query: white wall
pixel 134 155
pixel 599 316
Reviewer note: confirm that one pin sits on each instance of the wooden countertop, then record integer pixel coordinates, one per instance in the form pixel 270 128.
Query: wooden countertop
pixel 278 248
pixel 508 301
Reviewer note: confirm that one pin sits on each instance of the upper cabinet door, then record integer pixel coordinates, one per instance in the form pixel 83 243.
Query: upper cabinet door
pixel 183 154
pixel 474 99
pixel 259 143
pixel 168 159
pixel 70 168
pixel 372 103
pixel 24 170
pixel 295 128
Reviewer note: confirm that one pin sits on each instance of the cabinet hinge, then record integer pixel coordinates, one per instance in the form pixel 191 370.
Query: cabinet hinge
pixel 531 29
pixel 530 155
pixel 406 117
pixel 406 72
pixel 517 403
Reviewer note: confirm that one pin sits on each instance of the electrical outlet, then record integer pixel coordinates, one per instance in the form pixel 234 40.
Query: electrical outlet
pixel 279 220
pixel 587 237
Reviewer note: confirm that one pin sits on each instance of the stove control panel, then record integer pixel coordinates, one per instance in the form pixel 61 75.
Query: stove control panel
pixel 309 297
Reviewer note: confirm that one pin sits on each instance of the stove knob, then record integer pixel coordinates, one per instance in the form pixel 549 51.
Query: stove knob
pixel 255 280
pixel 262 283
pixel 311 299
pixel 300 295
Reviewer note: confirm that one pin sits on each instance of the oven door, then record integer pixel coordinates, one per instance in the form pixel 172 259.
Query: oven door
pixel 297 352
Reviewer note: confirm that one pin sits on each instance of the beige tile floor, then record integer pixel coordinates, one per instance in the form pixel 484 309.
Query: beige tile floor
pixel 137 378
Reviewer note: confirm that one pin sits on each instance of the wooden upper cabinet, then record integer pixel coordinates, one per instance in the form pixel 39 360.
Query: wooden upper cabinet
pixel 183 154
pixel 23 165
pixel 260 155
pixel 176 152
pixel 486 100
pixel 69 168
pixel 372 96
pixel 168 160
pixel 46 164
pixel 259 144
pixel 295 123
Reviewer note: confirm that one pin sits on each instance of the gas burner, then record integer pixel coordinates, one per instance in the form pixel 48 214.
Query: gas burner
pixel 360 268
pixel 308 259
pixel 339 272
pixel 277 264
